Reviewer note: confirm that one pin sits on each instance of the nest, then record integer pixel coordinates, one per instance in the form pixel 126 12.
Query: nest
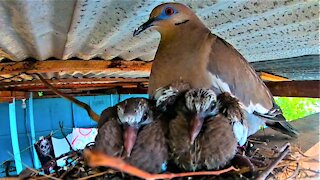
pixel 252 162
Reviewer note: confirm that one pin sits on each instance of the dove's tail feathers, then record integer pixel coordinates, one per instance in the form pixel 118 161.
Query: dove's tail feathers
pixel 283 126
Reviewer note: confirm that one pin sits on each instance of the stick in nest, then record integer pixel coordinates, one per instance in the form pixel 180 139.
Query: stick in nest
pixel 283 152
pixel 99 159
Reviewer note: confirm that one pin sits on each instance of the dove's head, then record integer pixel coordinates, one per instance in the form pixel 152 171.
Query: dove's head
pixel 167 17
pixel 201 103
pixel 133 113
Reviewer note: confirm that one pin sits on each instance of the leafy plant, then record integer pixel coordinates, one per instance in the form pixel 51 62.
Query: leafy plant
pixel 294 108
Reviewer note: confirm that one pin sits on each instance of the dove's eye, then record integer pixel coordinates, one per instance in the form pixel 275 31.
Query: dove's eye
pixel 169 11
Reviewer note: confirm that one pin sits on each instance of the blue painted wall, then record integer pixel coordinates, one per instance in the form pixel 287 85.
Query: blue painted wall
pixel 47 114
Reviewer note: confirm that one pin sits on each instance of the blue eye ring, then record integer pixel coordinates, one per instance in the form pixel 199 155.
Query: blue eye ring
pixel 167 12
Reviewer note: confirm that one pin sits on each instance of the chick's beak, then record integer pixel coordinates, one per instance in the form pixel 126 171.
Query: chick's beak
pixel 195 125
pixel 144 26
pixel 129 138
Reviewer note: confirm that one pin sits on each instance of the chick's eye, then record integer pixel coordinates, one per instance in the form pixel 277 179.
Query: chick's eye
pixel 212 107
pixel 169 11
pixel 145 116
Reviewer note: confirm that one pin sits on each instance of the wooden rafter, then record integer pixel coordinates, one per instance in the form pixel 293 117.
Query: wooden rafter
pixel 295 88
pixel 74 65
pixel 75 81
pixel 41 87
pixel 13 94
pixel 284 88
pixel 7 96
pixel 108 66
pixel 271 77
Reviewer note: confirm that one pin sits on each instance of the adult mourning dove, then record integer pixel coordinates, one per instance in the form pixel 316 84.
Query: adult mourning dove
pixel 201 138
pixel 188 51
pixel 132 130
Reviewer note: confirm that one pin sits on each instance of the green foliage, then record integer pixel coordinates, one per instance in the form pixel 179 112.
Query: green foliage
pixel 295 108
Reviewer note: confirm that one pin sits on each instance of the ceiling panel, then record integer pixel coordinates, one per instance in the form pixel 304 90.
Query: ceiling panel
pixel 260 30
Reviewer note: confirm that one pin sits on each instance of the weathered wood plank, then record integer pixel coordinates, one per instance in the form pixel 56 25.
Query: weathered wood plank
pixel 295 88
pixel 271 77
pixel 74 65
pixel 13 94
pixel 76 81
pixel 285 88
pixel 91 66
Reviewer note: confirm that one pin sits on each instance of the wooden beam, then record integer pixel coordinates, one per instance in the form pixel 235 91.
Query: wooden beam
pixel 51 66
pixel 7 100
pixel 76 81
pixel 8 96
pixel 41 87
pixel 295 88
pixel 13 94
pixel 271 77
pixel 76 84
pixel 285 88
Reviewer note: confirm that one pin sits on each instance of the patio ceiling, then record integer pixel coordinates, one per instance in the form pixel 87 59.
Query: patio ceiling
pixel 278 37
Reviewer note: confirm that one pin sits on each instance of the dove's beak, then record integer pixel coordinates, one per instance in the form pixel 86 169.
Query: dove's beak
pixel 129 138
pixel 144 26
pixel 195 125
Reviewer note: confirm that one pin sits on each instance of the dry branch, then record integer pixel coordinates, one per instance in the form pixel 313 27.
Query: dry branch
pixel 95 159
pixel 283 152
pixel 90 112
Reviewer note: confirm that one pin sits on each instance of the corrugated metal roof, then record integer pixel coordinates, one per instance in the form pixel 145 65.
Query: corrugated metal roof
pixel 260 30
pixel 297 68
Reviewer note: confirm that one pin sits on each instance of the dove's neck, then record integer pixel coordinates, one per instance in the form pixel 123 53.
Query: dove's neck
pixel 181 42
pixel 182 55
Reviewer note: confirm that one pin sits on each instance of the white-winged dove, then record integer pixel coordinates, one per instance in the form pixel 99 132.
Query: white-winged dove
pixel 132 130
pixel 188 51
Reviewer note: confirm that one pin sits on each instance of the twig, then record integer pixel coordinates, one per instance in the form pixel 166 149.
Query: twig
pixel 296 172
pixel 34 170
pixel 70 169
pixel 306 156
pixel 311 170
pixel 89 110
pixel 284 147
pixel 99 159
pixel 257 162
pixel 257 142
pixel 285 150
pixel 65 136
pixel 94 175
pixel 301 153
